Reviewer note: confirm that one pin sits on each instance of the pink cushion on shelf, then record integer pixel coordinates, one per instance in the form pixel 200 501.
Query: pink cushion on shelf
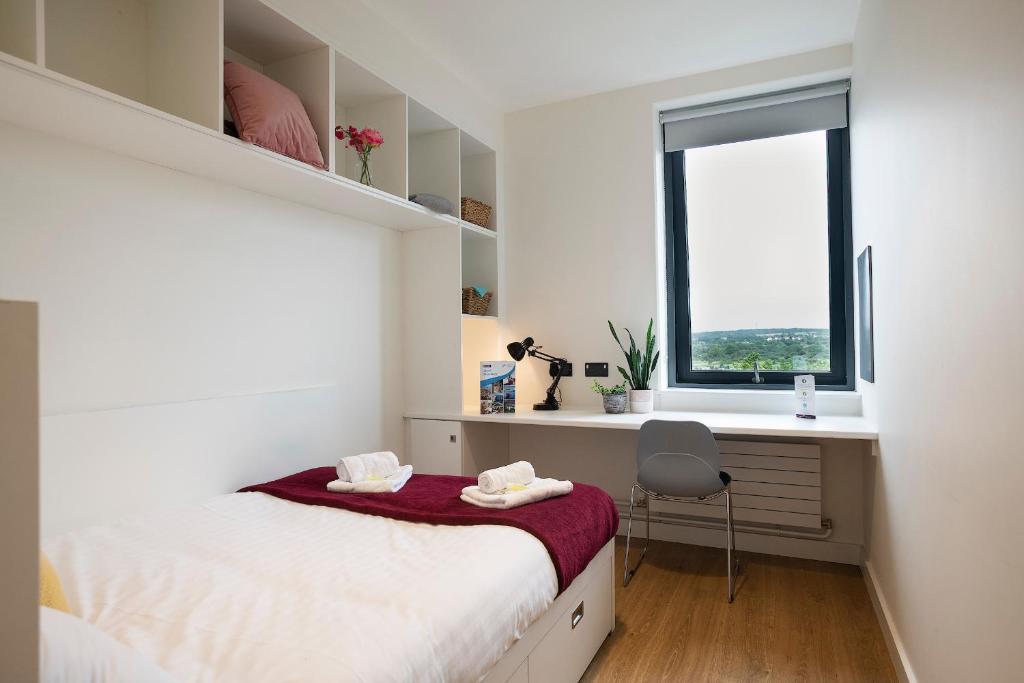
pixel 270 115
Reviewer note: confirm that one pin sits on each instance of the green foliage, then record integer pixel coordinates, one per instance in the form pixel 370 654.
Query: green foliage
pixel 609 391
pixel 641 364
pixel 787 349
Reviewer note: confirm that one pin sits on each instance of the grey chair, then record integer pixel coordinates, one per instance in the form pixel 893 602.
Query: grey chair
pixel 679 461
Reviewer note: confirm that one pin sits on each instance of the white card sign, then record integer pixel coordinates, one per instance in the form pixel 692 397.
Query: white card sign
pixel 805 396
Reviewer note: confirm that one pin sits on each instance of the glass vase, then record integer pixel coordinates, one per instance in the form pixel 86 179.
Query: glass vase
pixel 364 173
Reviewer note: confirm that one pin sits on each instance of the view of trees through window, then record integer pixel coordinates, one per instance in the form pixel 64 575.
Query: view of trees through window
pixel 757 237
pixel 793 348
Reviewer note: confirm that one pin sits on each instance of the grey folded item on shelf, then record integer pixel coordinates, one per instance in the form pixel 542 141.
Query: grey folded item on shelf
pixel 433 202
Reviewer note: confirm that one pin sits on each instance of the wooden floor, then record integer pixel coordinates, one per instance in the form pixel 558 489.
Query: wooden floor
pixel 792 620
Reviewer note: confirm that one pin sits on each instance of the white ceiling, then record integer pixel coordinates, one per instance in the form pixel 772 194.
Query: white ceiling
pixel 520 53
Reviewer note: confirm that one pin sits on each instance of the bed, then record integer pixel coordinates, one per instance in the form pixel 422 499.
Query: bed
pixel 252 587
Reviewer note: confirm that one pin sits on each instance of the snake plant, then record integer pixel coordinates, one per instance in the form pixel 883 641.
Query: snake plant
pixel 641 365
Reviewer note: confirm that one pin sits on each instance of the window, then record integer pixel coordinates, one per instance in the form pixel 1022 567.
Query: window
pixel 759 251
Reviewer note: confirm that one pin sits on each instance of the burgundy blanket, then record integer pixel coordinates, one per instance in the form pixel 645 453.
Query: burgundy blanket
pixel 573 528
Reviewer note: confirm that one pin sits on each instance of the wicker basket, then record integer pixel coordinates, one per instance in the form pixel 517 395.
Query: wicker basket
pixel 473 303
pixel 475 212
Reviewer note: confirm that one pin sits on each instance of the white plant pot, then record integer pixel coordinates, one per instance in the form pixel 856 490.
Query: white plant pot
pixel 641 400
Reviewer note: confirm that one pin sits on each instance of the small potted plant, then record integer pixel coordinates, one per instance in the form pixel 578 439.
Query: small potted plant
pixel 641 368
pixel 614 397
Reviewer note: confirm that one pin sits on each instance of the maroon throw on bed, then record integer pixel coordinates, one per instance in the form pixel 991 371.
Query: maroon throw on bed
pixel 573 528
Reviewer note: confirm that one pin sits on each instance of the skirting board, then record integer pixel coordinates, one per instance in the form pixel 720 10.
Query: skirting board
pixel 897 653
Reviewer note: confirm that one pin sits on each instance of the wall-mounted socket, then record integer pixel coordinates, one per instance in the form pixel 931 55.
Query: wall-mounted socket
pixel 566 369
pixel 595 369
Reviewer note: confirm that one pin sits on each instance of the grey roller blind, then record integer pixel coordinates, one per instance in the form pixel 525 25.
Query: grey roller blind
pixel 820 107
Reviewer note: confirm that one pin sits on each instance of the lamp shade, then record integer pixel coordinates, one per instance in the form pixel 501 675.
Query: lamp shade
pixel 518 350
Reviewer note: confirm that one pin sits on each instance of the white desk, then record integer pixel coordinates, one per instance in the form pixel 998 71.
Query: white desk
pixel 467 443
pixel 750 424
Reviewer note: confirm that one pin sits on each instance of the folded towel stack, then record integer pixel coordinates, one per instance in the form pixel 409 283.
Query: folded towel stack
pixel 370 473
pixel 535 491
pixel 502 478
pixel 372 466
pixel 388 484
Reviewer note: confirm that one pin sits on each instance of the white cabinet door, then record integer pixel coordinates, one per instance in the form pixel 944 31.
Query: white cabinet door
pixel 436 446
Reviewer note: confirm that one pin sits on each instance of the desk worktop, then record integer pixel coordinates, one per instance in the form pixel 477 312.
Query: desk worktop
pixel 753 424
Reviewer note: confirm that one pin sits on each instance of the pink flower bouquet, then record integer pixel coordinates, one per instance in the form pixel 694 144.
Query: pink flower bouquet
pixel 363 142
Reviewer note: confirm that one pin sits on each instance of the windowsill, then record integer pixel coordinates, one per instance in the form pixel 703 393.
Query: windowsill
pixel 765 401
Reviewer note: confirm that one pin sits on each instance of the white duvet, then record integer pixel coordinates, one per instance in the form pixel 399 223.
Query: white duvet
pixel 248 587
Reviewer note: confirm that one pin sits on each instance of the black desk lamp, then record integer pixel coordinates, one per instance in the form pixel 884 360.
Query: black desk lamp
pixel 519 350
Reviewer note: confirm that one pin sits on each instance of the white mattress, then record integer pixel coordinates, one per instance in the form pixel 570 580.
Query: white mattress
pixel 248 587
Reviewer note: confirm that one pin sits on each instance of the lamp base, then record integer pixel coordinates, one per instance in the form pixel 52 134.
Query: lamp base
pixel 544 405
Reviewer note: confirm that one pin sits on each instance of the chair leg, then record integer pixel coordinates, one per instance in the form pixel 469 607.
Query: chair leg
pixel 736 554
pixel 629 531
pixel 647 537
pixel 627 573
pixel 730 541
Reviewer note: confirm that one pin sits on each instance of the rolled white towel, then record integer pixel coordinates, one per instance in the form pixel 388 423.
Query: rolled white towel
pixel 386 485
pixel 500 478
pixel 538 490
pixel 357 468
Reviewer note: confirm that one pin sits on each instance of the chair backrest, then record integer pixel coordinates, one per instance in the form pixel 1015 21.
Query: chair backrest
pixel 678 459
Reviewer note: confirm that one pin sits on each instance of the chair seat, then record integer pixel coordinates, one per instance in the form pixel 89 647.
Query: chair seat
pixel 680 475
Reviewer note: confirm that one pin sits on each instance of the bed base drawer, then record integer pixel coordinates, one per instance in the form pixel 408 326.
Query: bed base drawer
pixel 570 645
pixel 562 642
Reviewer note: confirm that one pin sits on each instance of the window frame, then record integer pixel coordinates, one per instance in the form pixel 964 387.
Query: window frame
pixel 840 256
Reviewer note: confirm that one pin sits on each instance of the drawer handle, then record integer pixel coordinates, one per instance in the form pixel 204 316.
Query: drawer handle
pixel 577 615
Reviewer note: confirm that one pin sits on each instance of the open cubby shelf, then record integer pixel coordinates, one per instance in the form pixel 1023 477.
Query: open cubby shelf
pixel 144 78
pixel 134 48
pixel 18 28
pixel 361 99
pixel 260 38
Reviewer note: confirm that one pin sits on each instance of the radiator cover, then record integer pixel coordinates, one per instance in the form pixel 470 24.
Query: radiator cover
pixel 774 484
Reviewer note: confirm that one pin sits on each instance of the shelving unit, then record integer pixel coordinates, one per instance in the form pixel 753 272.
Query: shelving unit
pixel 260 38
pixel 144 79
pixel 138 49
pixel 18 32
pixel 363 100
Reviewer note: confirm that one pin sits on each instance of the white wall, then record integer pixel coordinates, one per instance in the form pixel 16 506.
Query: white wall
pixel 583 212
pixel 194 337
pixel 937 180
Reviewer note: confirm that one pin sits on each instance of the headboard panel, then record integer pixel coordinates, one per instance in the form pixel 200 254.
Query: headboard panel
pixel 98 466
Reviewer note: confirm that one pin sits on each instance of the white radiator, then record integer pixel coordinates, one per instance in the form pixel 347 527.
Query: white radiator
pixel 772 484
